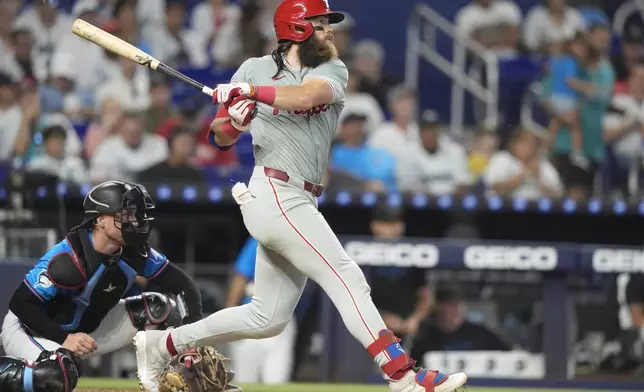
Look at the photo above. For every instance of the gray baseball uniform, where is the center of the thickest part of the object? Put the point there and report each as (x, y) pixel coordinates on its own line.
(295, 241)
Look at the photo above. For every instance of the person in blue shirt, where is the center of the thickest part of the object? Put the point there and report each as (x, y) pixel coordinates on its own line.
(267, 361)
(563, 100)
(375, 167)
(82, 298)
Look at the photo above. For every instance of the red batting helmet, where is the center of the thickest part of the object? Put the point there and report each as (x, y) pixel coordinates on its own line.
(291, 16)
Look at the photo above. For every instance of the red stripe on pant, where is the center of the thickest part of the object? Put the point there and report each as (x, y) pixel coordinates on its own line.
(355, 304)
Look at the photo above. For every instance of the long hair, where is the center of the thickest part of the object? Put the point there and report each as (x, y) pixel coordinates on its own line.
(278, 56)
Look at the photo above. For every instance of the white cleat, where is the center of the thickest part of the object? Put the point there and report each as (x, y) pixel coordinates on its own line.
(412, 382)
(150, 361)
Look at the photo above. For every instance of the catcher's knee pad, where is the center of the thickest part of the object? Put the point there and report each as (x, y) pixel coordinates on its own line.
(154, 309)
(53, 371)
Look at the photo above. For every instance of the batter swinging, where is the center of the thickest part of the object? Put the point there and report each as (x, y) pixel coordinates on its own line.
(297, 95)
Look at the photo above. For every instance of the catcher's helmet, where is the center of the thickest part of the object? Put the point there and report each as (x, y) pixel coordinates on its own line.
(129, 203)
(291, 16)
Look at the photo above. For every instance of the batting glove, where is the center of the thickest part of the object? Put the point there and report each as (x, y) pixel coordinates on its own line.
(225, 93)
(242, 110)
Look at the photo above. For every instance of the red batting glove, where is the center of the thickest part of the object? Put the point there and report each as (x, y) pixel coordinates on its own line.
(242, 110)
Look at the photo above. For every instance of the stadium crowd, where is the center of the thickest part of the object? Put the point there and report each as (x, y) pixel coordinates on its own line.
(68, 108)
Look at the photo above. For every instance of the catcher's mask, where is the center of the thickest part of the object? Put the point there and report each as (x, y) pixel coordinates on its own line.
(129, 204)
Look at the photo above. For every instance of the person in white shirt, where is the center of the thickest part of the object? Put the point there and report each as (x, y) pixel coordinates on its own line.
(127, 153)
(92, 73)
(522, 172)
(11, 116)
(218, 21)
(363, 104)
(552, 22)
(129, 83)
(493, 23)
(400, 135)
(438, 166)
(55, 162)
(624, 126)
(17, 57)
(174, 44)
(48, 26)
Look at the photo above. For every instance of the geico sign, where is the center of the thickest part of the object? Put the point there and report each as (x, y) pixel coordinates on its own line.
(618, 260)
(511, 258)
(393, 254)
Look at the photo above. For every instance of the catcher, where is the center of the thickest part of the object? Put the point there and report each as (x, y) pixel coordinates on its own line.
(81, 298)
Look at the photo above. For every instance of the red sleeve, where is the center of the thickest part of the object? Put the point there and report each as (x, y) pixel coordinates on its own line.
(222, 112)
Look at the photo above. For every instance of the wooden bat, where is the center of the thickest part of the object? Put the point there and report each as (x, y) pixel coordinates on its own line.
(116, 45)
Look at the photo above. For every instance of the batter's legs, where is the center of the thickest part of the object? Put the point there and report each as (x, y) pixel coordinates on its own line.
(278, 287)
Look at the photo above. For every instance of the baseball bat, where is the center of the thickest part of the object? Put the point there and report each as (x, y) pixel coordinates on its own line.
(116, 45)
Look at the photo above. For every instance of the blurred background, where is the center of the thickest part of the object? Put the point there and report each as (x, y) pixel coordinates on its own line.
(485, 174)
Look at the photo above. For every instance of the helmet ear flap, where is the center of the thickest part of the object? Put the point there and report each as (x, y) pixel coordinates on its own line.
(300, 30)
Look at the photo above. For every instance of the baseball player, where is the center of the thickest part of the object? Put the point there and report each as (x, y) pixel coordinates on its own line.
(78, 301)
(298, 93)
(270, 360)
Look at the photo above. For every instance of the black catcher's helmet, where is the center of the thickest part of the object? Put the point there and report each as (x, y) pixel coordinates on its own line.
(130, 205)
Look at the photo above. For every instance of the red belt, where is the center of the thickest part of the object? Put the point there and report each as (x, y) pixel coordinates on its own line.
(315, 189)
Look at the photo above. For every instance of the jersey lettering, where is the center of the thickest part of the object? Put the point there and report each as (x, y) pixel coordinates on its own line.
(314, 111)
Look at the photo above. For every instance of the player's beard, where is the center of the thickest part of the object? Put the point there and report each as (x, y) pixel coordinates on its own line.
(314, 51)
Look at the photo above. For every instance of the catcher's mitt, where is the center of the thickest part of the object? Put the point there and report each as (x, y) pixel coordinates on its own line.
(200, 370)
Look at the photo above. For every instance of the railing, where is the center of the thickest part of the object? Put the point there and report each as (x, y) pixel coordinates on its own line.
(29, 243)
(421, 43)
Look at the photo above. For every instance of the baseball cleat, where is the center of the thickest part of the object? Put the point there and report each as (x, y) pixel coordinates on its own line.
(424, 380)
(150, 361)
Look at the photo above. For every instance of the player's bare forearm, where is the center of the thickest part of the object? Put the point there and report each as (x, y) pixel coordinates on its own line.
(309, 94)
(236, 291)
(221, 137)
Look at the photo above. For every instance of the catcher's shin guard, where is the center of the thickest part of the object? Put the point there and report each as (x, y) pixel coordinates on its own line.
(200, 370)
(53, 371)
(155, 309)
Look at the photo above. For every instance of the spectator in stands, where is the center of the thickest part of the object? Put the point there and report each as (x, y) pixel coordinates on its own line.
(521, 171)
(412, 303)
(217, 21)
(178, 167)
(132, 150)
(494, 24)
(368, 60)
(103, 126)
(55, 162)
(15, 118)
(595, 89)
(342, 37)
(400, 135)
(161, 108)
(562, 101)
(91, 74)
(61, 95)
(600, 38)
(126, 25)
(150, 12)
(375, 167)
(624, 128)
(47, 26)
(449, 329)
(20, 61)
(631, 54)
(129, 84)
(439, 166)
(253, 36)
(551, 22)
(485, 145)
(175, 44)
(357, 102)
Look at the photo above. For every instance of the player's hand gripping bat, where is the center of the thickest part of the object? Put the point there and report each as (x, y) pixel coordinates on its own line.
(116, 45)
